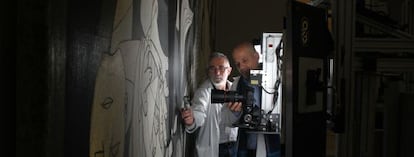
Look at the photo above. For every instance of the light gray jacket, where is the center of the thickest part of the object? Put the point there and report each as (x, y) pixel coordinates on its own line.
(207, 118)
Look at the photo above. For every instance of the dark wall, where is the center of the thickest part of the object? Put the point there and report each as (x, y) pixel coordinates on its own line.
(59, 46)
(31, 76)
(238, 21)
(243, 20)
(89, 33)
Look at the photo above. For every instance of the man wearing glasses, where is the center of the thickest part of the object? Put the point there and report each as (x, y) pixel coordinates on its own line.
(209, 118)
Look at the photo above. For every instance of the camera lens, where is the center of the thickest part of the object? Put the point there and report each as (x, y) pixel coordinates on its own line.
(221, 96)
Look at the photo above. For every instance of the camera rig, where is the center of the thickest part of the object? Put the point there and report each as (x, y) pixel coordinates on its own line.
(266, 117)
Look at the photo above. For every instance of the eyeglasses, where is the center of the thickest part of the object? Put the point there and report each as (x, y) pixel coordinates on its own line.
(219, 68)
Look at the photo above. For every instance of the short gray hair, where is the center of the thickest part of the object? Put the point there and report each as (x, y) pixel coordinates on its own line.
(217, 55)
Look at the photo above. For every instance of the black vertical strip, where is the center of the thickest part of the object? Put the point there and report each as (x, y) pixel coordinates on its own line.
(171, 16)
(137, 30)
(31, 75)
(57, 18)
(162, 22)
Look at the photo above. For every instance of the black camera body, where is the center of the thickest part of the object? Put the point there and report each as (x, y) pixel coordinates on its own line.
(221, 96)
(253, 118)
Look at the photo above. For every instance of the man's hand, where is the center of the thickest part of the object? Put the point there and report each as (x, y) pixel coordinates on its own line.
(187, 116)
(235, 106)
